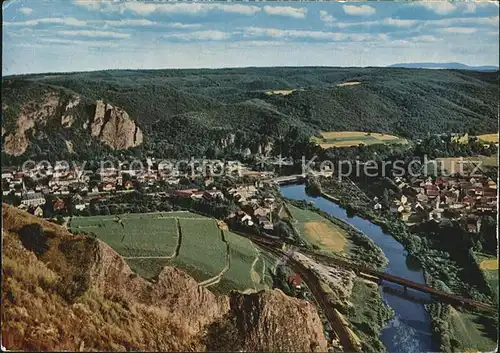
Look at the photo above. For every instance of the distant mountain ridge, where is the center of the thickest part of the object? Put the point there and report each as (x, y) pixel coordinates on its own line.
(453, 66)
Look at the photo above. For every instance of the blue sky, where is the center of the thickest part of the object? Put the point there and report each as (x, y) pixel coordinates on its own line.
(77, 35)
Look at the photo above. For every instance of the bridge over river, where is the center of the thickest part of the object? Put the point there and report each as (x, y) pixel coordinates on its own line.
(378, 276)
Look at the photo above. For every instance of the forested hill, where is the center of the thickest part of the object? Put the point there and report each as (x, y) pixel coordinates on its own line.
(192, 112)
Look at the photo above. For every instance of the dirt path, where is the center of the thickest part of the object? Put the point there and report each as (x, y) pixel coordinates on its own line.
(254, 275)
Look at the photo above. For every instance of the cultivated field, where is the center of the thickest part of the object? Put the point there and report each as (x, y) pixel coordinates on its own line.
(283, 92)
(203, 253)
(465, 165)
(491, 138)
(352, 83)
(354, 138)
(452, 165)
(319, 231)
(489, 266)
(487, 163)
(199, 245)
(247, 267)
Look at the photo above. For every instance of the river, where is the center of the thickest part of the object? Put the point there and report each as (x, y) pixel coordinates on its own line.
(410, 329)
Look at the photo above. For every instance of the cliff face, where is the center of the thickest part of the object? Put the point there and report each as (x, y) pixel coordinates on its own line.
(16, 142)
(66, 292)
(111, 125)
(114, 127)
(275, 322)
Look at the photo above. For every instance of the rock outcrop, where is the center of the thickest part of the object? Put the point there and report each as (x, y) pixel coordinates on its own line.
(114, 127)
(189, 305)
(111, 125)
(16, 142)
(273, 321)
(67, 292)
(67, 119)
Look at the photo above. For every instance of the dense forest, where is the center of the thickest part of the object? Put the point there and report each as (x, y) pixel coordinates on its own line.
(224, 111)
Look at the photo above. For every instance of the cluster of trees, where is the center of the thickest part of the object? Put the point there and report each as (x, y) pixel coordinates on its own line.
(444, 146)
(183, 114)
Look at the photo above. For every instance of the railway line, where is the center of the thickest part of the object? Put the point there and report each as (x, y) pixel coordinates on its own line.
(313, 284)
(380, 277)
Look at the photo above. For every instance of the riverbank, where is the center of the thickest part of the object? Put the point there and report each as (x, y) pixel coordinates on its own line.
(361, 248)
(411, 322)
(369, 315)
(444, 265)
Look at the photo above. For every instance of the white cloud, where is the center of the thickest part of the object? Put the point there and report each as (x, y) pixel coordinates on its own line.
(446, 7)
(438, 7)
(386, 21)
(147, 8)
(239, 9)
(464, 20)
(93, 5)
(363, 10)
(424, 38)
(446, 22)
(60, 41)
(73, 22)
(326, 18)
(94, 34)
(201, 35)
(318, 35)
(26, 10)
(257, 43)
(469, 7)
(124, 23)
(183, 25)
(295, 12)
(460, 30)
(399, 23)
(67, 21)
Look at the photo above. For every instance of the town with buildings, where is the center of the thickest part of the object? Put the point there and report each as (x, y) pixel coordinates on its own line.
(445, 198)
(70, 191)
(65, 190)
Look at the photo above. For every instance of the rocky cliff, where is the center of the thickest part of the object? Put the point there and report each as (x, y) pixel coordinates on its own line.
(66, 292)
(113, 126)
(51, 112)
(16, 141)
(256, 320)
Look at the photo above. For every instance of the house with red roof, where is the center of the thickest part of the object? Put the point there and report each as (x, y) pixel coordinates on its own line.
(295, 280)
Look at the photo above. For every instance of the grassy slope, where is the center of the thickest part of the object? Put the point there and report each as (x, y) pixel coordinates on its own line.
(202, 253)
(139, 236)
(36, 314)
(243, 253)
(469, 331)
